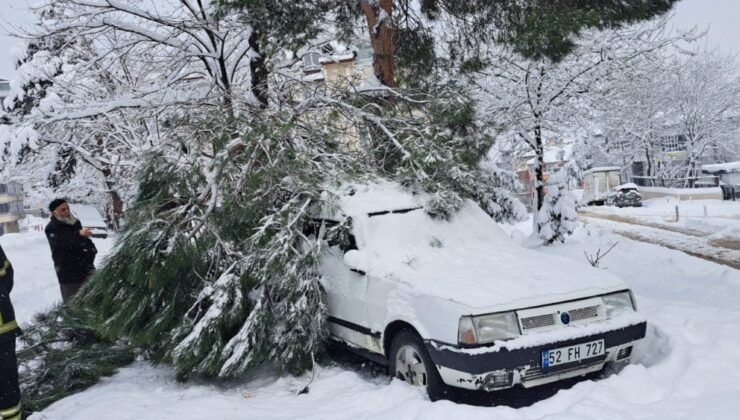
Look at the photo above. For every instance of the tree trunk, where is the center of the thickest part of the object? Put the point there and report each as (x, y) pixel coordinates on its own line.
(539, 168)
(115, 212)
(258, 68)
(381, 38)
(691, 172)
(649, 162)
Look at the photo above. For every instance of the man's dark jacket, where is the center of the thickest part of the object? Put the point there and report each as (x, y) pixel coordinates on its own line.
(8, 327)
(73, 254)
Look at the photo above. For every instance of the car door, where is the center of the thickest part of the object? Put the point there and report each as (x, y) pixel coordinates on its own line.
(345, 290)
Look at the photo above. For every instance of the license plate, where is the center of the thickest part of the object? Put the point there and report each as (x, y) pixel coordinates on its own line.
(571, 354)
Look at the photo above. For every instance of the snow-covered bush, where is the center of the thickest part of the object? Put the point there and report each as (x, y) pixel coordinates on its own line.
(557, 218)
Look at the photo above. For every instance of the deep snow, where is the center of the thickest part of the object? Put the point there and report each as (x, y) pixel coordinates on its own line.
(685, 368)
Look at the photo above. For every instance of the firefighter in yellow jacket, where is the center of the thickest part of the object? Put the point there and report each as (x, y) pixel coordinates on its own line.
(10, 395)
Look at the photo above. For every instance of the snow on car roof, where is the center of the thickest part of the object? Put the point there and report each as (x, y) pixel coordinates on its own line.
(626, 186)
(469, 259)
(89, 215)
(376, 196)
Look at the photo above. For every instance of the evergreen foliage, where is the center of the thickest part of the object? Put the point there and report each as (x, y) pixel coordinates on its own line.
(536, 29)
(441, 149)
(62, 355)
(215, 273)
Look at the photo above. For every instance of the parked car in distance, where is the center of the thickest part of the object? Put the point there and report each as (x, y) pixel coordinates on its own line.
(455, 303)
(90, 218)
(625, 195)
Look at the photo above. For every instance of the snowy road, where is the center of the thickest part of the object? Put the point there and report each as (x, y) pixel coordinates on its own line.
(686, 368)
(692, 244)
(708, 229)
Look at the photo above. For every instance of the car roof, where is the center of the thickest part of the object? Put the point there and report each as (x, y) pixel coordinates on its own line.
(89, 215)
(627, 186)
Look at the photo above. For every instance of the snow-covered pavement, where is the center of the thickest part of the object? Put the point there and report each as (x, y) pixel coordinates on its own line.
(685, 368)
(713, 219)
(709, 229)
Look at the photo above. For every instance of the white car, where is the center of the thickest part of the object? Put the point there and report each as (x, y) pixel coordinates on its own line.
(456, 303)
(90, 218)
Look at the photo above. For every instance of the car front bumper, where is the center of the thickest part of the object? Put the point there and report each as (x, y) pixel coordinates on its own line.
(479, 369)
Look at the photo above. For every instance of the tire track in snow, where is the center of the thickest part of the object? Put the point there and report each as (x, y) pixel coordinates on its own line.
(696, 246)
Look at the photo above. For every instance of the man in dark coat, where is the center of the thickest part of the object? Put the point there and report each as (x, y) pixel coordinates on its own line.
(71, 249)
(10, 394)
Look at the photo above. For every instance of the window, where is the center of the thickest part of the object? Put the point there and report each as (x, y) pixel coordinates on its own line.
(674, 143)
(311, 61)
(335, 233)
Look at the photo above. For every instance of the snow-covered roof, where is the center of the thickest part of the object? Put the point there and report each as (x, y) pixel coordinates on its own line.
(372, 86)
(337, 58)
(603, 169)
(89, 215)
(314, 77)
(721, 167)
(554, 154)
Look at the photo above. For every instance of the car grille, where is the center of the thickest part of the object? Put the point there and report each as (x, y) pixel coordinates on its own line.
(539, 373)
(584, 313)
(549, 317)
(539, 321)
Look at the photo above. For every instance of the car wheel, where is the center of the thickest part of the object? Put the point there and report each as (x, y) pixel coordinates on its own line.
(409, 361)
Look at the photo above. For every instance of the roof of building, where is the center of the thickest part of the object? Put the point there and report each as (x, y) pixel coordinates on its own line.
(603, 169)
(721, 167)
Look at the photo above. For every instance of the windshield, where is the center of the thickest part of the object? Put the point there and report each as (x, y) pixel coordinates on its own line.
(413, 230)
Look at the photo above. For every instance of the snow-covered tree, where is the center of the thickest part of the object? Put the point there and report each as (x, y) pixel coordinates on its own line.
(537, 99)
(704, 97)
(557, 217)
(691, 97)
(116, 74)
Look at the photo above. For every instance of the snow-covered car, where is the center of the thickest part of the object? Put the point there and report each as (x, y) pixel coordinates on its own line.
(90, 218)
(625, 195)
(456, 303)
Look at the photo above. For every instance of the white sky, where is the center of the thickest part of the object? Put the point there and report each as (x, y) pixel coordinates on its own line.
(719, 15)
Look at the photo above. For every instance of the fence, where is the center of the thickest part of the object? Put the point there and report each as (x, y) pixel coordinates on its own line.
(691, 182)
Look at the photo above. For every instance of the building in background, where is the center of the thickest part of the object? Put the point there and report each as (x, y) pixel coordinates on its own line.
(11, 207)
(728, 175)
(4, 92)
(556, 157)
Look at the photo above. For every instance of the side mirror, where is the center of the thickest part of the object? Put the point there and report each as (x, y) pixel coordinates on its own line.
(356, 261)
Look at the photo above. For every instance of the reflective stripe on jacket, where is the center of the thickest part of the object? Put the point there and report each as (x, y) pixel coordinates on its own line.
(12, 413)
(8, 325)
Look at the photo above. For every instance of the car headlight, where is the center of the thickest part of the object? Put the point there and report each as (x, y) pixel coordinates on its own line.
(617, 303)
(487, 328)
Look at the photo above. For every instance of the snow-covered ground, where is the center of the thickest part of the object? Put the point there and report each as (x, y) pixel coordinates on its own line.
(705, 228)
(714, 218)
(686, 368)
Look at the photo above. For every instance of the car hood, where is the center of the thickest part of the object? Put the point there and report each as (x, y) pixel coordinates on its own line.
(470, 261)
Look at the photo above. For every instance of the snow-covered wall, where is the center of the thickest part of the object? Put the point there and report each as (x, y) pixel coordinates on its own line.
(682, 193)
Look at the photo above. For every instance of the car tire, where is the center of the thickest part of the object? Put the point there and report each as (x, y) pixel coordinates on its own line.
(409, 361)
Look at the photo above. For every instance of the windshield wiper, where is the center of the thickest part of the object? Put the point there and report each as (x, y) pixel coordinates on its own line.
(380, 213)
